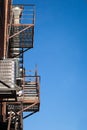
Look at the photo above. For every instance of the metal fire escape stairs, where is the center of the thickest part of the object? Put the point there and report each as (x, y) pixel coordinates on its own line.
(20, 39)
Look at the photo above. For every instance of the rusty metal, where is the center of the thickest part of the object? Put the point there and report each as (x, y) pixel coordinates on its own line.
(23, 109)
(4, 111)
(27, 108)
(5, 26)
(17, 37)
(2, 29)
(29, 26)
(9, 121)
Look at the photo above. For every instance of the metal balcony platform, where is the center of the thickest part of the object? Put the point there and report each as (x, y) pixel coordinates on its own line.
(21, 33)
(28, 99)
(18, 106)
(24, 37)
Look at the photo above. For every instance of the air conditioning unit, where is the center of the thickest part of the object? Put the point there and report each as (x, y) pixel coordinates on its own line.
(7, 73)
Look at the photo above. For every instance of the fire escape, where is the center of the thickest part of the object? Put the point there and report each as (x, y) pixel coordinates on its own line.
(19, 88)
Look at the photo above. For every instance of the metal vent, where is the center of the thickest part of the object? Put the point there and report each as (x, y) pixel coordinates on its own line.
(7, 73)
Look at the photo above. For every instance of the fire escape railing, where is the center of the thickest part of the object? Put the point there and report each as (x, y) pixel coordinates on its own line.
(19, 92)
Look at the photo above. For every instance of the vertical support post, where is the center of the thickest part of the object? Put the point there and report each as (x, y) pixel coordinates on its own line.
(16, 125)
(9, 122)
(5, 26)
(21, 120)
(4, 111)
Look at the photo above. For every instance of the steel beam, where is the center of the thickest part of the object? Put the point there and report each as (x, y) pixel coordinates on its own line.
(5, 26)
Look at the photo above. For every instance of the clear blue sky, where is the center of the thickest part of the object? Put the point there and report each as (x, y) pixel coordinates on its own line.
(60, 50)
